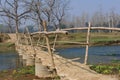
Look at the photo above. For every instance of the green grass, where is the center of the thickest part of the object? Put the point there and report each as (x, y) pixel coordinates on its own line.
(115, 61)
(94, 37)
(24, 73)
(106, 68)
(24, 70)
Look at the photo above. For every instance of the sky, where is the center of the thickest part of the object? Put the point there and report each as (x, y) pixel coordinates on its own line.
(78, 7)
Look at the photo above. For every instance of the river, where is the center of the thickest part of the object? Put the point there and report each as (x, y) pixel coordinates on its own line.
(8, 60)
(97, 54)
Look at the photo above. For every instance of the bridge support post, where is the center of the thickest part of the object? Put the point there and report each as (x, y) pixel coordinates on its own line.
(49, 48)
(30, 61)
(40, 70)
(24, 57)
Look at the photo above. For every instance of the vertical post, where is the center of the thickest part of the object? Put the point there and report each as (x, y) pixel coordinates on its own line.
(34, 55)
(48, 45)
(54, 42)
(87, 46)
(109, 23)
(29, 36)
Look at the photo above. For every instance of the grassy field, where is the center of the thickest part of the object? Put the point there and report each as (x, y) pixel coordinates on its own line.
(95, 38)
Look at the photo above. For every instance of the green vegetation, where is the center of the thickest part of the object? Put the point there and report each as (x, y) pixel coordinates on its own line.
(24, 73)
(95, 38)
(106, 68)
(116, 61)
(7, 47)
(20, 71)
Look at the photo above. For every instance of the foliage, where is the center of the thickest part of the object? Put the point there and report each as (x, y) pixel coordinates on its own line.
(25, 70)
(115, 61)
(106, 69)
(95, 38)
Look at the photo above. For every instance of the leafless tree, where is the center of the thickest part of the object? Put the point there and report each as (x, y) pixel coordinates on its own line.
(8, 21)
(51, 11)
(13, 10)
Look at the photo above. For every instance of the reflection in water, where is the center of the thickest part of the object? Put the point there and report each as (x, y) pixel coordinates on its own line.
(9, 60)
(98, 54)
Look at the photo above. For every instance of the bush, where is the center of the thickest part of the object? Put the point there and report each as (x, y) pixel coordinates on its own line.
(24, 71)
(106, 69)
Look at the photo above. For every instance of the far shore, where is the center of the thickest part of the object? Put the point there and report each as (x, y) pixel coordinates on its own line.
(7, 47)
(108, 43)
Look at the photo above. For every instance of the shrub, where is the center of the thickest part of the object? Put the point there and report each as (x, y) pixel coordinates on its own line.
(106, 69)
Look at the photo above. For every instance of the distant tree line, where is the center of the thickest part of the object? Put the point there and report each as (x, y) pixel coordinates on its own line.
(98, 19)
(15, 15)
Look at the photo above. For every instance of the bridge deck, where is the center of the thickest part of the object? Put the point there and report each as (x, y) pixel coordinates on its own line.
(67, 69)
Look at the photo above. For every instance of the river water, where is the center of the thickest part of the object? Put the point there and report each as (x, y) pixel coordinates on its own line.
(8, 60)
(97, 54)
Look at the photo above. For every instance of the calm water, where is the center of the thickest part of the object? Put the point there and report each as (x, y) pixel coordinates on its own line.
(8, 60)
(99, 54)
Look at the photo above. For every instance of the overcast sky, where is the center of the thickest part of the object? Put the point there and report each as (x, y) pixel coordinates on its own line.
(91, 6)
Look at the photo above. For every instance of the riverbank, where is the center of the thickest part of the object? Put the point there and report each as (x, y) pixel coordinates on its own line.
(28, 73)
(96, 39)
(100, 43)
(25, 73)
(7, 47)
(5, 44)
(68, 68)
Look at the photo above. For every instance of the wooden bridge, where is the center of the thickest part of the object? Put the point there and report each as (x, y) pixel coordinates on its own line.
(67, 69)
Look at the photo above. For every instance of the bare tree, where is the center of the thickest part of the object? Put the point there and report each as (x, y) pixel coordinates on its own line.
(60, 11)
(52, 11)
(13, 9)
(9, 22)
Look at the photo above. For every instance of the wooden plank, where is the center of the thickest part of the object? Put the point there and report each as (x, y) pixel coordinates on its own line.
(87, 46)
(48, 46)
(51, 32)
(72, 42)
(92, 28)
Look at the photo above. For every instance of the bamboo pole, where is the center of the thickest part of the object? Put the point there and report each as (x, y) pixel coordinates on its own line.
(51, 32)
(48, 45)
(54, 42)
(92, 28)
(34, 55)
(87, 46)
(71, 42)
